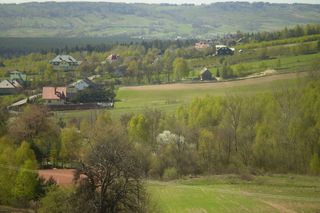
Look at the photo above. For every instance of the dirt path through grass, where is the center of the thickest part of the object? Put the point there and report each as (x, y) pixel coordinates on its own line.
(226, 84)
(279, 207)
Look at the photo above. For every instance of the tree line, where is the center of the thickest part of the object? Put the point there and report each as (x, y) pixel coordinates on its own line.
(297, 31)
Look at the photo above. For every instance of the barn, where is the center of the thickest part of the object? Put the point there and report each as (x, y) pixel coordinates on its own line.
(206, 75)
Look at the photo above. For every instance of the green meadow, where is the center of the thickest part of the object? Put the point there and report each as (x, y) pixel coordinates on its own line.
(233, 193)
(169, 99)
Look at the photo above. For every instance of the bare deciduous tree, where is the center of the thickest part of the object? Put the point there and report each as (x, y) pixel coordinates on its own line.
(109, 179)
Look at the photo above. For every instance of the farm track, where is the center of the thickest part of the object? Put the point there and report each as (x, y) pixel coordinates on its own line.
(212, 85)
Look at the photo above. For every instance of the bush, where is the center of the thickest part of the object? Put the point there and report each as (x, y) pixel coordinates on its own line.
(170, 174)
(56, 201)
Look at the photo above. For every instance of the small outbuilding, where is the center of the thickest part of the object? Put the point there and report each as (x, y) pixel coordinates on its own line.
(206, 75)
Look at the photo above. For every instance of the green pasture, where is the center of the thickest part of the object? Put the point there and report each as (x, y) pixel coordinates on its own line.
(169, 100)
(281, 64)
(301, 39)
(232, 193)
(252, 64)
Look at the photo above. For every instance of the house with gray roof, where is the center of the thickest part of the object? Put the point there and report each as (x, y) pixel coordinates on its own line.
(82, 84)
(65, 63)
(206, 75)
(8, 87)
(18, 76)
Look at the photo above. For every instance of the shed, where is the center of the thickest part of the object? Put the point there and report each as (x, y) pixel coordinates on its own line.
(206, 75)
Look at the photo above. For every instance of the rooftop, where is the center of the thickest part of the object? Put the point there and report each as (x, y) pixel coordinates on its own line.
(51, 93)
(67, 58)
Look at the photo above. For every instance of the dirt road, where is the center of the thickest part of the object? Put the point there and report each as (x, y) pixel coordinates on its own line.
(225, 84)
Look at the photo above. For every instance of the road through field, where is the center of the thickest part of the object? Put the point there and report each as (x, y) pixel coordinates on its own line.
(212, 85)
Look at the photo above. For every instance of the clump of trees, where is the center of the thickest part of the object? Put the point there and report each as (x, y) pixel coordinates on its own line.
(19, 181)
(273, 132)
(108, 166)
(108, 178)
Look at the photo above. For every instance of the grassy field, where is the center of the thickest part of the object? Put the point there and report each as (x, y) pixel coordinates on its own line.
(252, 64)
(168, 97)
(277, 193)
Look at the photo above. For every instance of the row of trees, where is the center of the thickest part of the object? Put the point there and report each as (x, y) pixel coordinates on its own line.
(297, 31)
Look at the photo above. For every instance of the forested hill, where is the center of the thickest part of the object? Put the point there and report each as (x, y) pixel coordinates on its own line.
(82, 19)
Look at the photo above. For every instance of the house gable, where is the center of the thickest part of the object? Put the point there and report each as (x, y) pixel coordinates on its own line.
(64, 62)
(6, 84)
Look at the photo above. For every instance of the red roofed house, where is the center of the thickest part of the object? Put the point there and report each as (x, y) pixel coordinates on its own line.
(54, 95)
(113, 58)
(202, 45)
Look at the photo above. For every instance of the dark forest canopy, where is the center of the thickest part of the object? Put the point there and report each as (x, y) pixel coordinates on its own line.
(21, 46)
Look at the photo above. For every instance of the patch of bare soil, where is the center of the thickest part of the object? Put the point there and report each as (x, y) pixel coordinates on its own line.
(61, 176)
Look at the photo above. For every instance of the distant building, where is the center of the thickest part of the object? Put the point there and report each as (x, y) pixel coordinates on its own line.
(65, 63)
(224, 50)
(54, 95)
(8, 87)
(113, 58)
(18, 76)
(206, 75)
(202, 45)
(82, 84)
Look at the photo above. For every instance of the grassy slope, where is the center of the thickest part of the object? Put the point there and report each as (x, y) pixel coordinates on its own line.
(231, 194)
(169, 100)
(154, 21)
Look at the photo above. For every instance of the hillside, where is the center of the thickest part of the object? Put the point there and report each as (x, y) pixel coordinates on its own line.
(150, 21)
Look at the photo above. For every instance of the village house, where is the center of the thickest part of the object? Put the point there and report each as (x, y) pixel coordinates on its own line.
(202, 45)
(54, 95)
(206, 75)
(18, 76)
(8, 87)
(65, 63)
(113, 58)
(224, 50)
(82, 84)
